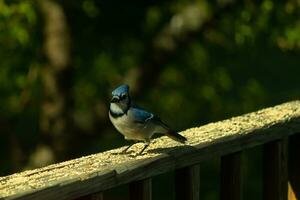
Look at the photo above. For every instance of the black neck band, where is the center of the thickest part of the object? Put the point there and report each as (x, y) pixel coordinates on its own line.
(116, 115)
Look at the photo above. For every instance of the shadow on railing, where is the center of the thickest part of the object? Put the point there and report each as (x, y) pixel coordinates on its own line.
(88, 177)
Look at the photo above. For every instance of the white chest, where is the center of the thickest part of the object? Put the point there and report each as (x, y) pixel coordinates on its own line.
(131, 130)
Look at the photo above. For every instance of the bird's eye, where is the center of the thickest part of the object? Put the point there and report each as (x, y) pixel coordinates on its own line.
(124, 96)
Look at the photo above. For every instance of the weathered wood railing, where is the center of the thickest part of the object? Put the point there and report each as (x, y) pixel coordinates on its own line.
(88, 177)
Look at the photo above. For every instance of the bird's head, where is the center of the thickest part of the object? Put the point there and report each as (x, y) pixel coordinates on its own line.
(120, 95)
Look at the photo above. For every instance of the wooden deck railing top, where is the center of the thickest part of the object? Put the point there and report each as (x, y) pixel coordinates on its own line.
(109, 169)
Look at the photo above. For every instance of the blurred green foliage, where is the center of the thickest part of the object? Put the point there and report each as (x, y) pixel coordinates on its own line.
(191, 62)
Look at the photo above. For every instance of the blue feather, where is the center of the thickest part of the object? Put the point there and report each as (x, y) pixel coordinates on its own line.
(134, 122)
(140, 115)
(123, 89)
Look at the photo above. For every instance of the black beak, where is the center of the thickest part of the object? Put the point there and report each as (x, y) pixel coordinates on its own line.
(115, 99)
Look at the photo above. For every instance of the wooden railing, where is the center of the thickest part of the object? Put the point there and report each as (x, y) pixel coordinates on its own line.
(88, 177)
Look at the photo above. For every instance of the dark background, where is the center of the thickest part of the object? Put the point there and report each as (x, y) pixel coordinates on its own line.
(191, 62)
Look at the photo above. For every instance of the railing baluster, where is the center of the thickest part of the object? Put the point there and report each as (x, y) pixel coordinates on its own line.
(187, 183)
(231, 188)
(141, 190)
(97, 196)
(103, 171)
(293, 167)
(275, 170)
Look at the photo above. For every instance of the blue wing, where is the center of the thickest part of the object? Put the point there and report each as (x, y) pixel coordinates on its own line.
(140, 115)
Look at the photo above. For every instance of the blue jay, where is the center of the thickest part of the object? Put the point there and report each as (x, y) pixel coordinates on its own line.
(135, 123)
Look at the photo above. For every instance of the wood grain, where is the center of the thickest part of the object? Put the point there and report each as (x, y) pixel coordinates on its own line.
(275, 170)
(97, 196)
(187, 183)
(293, 167)
(99, 172)
(231, 177)
(141, 190)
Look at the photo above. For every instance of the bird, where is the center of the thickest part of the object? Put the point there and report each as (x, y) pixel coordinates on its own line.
(135, 123)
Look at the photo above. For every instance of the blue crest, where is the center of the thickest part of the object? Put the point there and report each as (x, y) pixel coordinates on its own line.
(120, 90)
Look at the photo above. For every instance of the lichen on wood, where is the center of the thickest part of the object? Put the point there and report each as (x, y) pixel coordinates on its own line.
(101, 171)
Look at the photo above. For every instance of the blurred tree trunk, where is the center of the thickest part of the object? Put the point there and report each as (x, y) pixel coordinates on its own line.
(182, 29)
(55, 117)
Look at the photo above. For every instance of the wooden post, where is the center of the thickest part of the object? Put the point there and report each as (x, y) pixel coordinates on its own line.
(231, 188)
(275, 170)
(97, 196)
(294, 167)
(187, 183)
(141, 190)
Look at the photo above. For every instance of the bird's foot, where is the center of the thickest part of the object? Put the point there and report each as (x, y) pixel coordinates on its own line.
(124, 151)
(141, 152)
